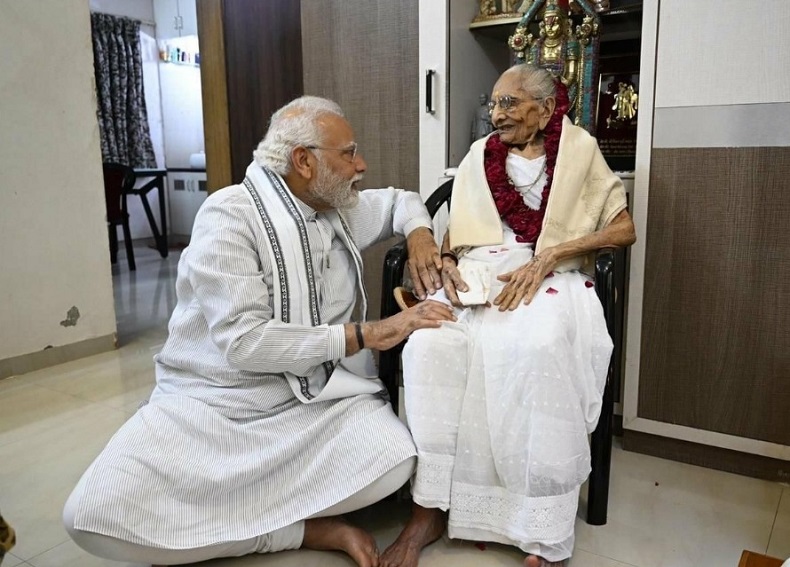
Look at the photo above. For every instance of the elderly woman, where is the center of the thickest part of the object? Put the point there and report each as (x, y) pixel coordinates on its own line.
(500, 403)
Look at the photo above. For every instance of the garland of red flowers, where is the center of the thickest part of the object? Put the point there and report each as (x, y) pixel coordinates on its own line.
(525, 222)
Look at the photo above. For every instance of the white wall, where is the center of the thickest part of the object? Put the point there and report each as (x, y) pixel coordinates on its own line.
(722, 76)
(716, 52)
(54, 252)
(182, 106)
(142, 10)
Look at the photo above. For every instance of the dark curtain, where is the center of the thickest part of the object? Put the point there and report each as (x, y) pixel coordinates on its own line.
(118, 66)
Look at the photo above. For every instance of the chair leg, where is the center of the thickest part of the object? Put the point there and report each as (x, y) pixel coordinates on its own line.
(127, 240)
(112, 230)
(601, 456)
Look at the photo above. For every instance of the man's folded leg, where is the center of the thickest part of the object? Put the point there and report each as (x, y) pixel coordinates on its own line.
(288, 537)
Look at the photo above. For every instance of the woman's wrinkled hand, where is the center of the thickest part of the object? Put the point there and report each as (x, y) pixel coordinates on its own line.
(524, 282)
(452, 281)
(424, 262)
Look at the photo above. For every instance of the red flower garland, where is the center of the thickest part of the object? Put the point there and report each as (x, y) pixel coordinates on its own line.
(525, 222)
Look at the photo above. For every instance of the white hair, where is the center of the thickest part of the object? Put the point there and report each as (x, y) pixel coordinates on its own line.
(534, 80)
(295, 124)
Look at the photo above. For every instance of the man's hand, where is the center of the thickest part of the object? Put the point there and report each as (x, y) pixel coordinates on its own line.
(424, 262)
(524, 282)
(385, 334)
(452, 281)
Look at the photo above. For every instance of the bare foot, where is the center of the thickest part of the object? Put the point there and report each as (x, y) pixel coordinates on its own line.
(425, 526)
(335, 534)
(536, 561)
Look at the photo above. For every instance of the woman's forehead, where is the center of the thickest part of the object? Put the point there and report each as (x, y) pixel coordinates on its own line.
(507, 84)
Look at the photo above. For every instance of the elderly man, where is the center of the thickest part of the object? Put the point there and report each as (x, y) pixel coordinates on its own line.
(266, 421)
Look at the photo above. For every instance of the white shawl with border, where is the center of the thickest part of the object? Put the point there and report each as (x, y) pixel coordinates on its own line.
(294, 294)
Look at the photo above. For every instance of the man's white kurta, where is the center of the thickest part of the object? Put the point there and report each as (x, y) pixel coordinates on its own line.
(224, 450)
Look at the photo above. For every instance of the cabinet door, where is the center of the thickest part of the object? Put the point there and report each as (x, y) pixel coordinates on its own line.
(181, 216)
(433, 93)
(197, 195)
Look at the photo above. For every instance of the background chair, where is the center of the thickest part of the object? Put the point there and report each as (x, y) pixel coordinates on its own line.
(118, 181)
(601, 441)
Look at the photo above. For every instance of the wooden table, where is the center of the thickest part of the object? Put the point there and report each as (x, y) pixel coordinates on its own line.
(752, 559)
(157, 181)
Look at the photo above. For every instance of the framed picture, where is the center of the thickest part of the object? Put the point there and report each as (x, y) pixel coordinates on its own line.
(618, 112)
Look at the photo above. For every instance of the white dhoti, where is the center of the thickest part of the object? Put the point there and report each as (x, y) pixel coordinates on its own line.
(500, 405)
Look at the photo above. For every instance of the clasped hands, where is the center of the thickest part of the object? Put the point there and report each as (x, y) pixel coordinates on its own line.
(430, 272)
(521, 284)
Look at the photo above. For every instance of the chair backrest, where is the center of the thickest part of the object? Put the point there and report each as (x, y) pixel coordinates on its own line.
(118, 180)
(439, 197)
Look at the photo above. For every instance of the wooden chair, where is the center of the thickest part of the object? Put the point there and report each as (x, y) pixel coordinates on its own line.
(118, 181)
(601, 441)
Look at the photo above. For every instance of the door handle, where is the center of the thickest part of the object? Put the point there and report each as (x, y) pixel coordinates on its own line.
(429, 75)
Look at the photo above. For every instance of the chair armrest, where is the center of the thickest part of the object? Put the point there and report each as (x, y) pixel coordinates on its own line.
(392, 277)
(604, 285)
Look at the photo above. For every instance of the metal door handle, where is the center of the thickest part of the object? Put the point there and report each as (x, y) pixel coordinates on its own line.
(429, 74)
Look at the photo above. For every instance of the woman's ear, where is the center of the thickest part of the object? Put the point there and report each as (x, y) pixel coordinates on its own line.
(301, 162)
(546, 111)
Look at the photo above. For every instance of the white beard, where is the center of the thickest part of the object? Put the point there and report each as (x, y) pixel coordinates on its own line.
(333, 189)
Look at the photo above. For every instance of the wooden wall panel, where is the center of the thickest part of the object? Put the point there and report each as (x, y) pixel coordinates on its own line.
(215, 94)
(263, 58)
(364, 55)
(715, 332)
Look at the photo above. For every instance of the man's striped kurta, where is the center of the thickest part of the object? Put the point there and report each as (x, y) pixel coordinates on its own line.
(224, 451)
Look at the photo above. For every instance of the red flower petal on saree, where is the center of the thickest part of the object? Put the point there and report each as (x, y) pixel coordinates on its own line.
(552, 291)
(550, 275)
(588, 283)
(481, 545)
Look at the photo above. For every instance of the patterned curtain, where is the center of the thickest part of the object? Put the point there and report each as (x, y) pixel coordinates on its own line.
(118, 66)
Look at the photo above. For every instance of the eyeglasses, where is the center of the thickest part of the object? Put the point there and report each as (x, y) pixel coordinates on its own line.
(505, 102)
(348, 153)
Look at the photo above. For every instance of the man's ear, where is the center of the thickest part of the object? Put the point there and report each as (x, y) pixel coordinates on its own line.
(546, 111)
(301, 162)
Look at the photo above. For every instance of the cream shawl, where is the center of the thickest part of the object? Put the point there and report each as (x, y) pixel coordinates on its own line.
(585, 197)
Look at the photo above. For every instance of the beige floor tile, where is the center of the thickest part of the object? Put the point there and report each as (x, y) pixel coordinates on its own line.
(11, 560)
(668, 514)
(70, 555)
(38, 473)
(584, 559)
(28, 410)
(116, 379)
(779, 545)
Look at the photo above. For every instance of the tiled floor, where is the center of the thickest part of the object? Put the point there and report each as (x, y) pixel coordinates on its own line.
(53, 423)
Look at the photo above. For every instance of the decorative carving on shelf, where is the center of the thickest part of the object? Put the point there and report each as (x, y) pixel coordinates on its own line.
(569, 54)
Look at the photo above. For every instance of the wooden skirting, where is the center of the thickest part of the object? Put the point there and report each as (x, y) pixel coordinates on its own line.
(706, 456)
(56, 355)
